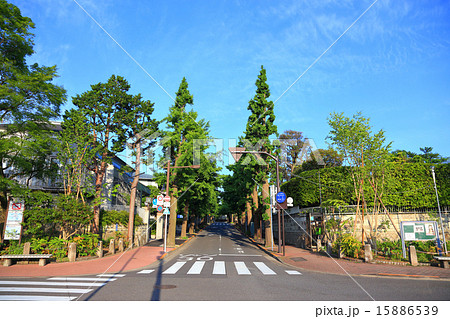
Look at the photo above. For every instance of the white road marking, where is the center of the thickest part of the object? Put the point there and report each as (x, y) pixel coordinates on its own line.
(196, 268)
(264, 269)
(219, 268)
(111, 275)
(174, 268)
(46, 290)
(293, 272)
(81, 279)
(146, 271)
(34, 298)
(46, 283)
(241, 268)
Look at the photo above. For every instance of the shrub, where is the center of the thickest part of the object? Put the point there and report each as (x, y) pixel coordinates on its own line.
(350, 246)
(58, 247)
(87, 244)
(14, 248)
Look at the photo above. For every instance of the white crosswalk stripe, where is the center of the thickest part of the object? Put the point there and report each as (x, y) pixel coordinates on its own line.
(218, 268)
(52, 289)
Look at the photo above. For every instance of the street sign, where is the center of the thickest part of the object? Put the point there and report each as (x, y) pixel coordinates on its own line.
(154, 203)
(290, 202)
(166, 204)
(159, 209)
(167, 198)
(166, 211)
(235, 152)
(160, 200)
(280, 197)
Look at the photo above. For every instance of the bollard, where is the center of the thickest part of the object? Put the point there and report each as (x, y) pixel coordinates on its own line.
(27, 248)
(368, 257)
(329, 249)
(100, 249)
(120, 244)
(413, 256)
(72, 252)
(112, 246)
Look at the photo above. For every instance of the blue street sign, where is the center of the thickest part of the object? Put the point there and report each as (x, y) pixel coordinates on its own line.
(280, 197)
(155, 202)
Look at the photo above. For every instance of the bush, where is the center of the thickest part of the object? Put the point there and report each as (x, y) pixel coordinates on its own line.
(14, 248)
(58, 247)
(112, 217)
(350, 246)
(87, 244)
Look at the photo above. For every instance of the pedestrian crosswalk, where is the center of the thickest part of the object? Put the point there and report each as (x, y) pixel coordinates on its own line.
(52, 289)
(201, 267)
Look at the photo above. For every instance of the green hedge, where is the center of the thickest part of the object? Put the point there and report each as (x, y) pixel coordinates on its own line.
(405, 185)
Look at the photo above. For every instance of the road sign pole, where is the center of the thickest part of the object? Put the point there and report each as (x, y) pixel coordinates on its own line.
(165, 234)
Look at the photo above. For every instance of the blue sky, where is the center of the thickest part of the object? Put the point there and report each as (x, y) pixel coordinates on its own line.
(393, 65)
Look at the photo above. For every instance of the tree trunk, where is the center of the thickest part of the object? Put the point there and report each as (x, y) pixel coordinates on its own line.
(268, 213)
(256, 213)
(249, 216)
(172, 219)
(185, 220)
(134, 186)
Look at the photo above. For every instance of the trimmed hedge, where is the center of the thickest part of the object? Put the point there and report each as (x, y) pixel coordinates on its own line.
(407, 185)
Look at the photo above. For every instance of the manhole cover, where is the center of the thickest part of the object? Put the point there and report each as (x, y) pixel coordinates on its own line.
(164, 286)
(298, 259)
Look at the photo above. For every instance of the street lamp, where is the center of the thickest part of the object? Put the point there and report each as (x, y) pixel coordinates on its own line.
(173, 215)
(237, 152)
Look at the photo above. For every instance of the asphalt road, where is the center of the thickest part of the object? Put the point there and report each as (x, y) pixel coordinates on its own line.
(222, 265)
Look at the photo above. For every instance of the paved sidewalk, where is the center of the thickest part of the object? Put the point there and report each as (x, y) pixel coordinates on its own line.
(135, 258)
(305, 259)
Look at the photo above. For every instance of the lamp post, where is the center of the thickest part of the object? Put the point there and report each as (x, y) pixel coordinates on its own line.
(173, 214)
(439, 209)
(241, 150)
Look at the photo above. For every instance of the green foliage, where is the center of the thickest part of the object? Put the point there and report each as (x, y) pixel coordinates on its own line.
(58, 247)
(87, 244)
(405, 185)
(112, 217)
(349, 245)
(14, 248)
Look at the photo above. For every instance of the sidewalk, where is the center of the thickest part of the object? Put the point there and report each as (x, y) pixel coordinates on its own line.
(135, 258)
(312, 261)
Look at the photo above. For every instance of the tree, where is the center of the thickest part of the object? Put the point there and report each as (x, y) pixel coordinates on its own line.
(104, 109)
(140, 127)
(365, 152)
(28, 100)
(260, 127)
(291, 144)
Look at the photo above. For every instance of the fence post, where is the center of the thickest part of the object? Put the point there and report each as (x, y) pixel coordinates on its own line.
(100, 249)
(368, 257)
(72, 252)
(120, 245)
(413, 256)
(112, 246)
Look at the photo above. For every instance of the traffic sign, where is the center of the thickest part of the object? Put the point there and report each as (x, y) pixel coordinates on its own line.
(166, 204)
(160, 200)
(166, 211)
(159, 209)
(154, 203)
(290, 201)
(280, 197)
(167, 198)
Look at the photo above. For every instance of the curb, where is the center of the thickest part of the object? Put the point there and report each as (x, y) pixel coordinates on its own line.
(176, 247)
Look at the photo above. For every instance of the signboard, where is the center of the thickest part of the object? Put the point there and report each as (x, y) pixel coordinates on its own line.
(13, 227)
(290, 202)
(159, 209)
(418, 231)
(167, 198)
(166, 204)
(280, 197)
(154, 203)
(166, 211)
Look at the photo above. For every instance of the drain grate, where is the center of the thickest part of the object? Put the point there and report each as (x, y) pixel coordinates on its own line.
(298, 259)
(164, 286)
